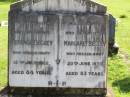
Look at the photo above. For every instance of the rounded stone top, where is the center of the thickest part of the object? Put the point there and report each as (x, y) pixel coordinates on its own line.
(60, 5)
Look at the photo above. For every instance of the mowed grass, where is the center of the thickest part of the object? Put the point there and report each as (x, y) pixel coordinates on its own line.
(120, 9)
(4, 7)
(118, 66)
(3, 56)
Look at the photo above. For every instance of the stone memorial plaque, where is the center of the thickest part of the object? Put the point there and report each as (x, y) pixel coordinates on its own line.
(58, 45)
(83, 51)
(33, 49)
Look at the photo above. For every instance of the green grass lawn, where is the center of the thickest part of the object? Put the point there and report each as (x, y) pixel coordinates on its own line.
(120, 8)
(118, 66)
(4, 7)
(3, 56)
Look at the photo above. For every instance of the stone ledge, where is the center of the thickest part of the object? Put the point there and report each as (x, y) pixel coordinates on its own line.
(24, 92)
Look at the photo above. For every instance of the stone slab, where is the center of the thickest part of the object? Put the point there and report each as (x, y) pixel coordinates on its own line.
(57, 50)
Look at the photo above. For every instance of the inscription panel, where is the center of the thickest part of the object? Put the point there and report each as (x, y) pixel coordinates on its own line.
(62, 50)
(33, 50)
(83, 51)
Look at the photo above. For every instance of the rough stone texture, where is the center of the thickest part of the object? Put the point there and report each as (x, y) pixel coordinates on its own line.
(41, 93)
(60, 5)
(31, 41)
(61, 44)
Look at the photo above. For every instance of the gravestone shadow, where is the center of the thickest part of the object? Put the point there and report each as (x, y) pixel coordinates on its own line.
(4, 92)
(123, 84)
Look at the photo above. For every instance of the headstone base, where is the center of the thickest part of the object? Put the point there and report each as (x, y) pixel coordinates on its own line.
(55, 92)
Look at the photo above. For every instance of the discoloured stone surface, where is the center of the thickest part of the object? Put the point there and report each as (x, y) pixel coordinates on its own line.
(59, 44)
(52, 92)
(60, 5)
(39, 40)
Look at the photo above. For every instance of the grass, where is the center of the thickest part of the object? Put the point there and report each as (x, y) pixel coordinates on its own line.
(119, 76)
(4, 7)
(119, 9)
(118, 67)
(3, 57)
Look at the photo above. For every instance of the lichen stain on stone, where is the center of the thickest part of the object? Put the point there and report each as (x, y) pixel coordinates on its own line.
(59, 5)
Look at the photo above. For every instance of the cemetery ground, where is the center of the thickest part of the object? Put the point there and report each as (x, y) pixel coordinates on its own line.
(118, 65)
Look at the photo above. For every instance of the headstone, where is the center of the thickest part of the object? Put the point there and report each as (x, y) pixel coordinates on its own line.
(112, 24)
(113, 47)
(58, 44)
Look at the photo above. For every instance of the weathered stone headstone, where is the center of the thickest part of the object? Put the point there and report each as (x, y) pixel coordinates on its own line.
(112, 24)
(113, 47)
(58, 44)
